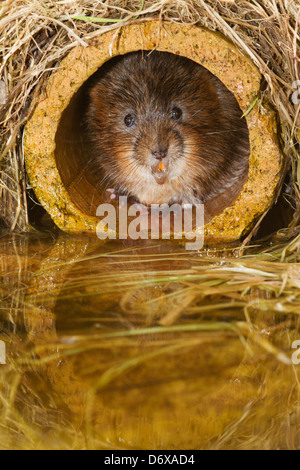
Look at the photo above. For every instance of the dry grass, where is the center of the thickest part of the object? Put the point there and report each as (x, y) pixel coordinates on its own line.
(35, 35)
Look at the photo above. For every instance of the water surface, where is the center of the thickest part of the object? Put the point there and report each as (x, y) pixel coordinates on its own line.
(143, 346)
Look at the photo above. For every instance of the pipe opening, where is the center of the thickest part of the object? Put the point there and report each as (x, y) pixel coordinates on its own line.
(146, 128)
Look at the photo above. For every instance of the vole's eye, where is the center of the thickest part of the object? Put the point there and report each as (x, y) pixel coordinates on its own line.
(129, 120)
(176, 113)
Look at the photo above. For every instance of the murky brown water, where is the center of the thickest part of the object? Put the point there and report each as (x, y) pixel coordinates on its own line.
(118, 347)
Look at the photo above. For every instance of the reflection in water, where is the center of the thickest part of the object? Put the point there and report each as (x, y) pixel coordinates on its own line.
(146, 347)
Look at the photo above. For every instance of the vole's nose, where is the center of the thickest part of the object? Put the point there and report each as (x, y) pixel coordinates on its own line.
(160, 154)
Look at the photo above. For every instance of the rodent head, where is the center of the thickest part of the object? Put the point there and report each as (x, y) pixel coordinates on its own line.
(159, 130)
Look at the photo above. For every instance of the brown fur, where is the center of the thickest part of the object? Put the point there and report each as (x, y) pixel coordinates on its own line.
(206, 150)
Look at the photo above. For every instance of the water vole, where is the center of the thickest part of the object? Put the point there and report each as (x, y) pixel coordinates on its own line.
(163, 129)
